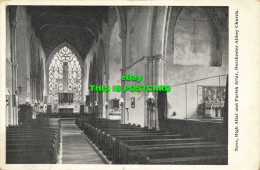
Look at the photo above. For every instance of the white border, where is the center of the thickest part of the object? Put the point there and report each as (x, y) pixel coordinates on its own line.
(249, 95)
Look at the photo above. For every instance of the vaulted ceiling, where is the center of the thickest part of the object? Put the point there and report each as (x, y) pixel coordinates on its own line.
(78, 26)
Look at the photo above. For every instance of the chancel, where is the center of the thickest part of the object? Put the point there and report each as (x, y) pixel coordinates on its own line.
(64, 80)
(116, 85)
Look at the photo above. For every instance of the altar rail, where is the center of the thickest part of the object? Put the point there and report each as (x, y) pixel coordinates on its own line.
(59, 115)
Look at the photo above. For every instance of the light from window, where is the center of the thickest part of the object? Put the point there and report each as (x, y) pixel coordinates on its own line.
(73, 75)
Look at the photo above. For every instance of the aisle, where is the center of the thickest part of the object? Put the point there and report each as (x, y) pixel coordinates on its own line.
(75, 148)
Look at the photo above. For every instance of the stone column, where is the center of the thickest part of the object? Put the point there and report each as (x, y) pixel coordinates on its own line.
(31, 88)
(160, 78)
(35, 91)
(32, 99)
(14, 110)
(156, 76)
(123, 71)
(155, 66)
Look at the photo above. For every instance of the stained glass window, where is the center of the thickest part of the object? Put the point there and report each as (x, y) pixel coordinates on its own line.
(71, 82)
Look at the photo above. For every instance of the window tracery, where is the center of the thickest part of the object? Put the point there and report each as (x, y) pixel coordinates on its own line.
(60, 84)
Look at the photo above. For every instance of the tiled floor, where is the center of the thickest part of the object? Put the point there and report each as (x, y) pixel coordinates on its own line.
(75, 147)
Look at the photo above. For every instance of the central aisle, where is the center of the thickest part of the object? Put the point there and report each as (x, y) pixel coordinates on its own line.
(75, 147)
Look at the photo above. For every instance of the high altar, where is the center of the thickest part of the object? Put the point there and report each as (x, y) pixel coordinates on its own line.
(211, 101)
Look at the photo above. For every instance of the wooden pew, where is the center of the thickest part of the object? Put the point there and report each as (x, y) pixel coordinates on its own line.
(196, 160)
(95, 131)
(116, 136)
(31, 156)
(113, 142)
(146, 155)
(33, 143)
(133, 144)
(102, 134)
(30, 140)
(124, 144)
(109, 136)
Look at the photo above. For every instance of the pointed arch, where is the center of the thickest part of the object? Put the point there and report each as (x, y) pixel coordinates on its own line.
(55, 62)
(51, 56)
(174, 15)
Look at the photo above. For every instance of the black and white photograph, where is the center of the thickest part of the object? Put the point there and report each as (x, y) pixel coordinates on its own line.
(117, 85)
(98, 84)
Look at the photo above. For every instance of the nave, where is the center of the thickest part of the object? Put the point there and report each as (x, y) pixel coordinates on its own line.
(80, 141)
(75, 147)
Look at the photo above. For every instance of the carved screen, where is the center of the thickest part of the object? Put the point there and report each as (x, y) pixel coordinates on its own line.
(58, 83)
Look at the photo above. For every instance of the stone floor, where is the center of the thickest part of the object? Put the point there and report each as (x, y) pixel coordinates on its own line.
(75, 148)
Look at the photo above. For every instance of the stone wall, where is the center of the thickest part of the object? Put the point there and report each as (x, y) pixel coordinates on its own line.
(178, 73)
(147, 36)
(29, 57)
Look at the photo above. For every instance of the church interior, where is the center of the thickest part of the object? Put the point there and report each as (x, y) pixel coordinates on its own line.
(54, 54)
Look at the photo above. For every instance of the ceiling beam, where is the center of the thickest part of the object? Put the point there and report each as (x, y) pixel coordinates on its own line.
(67, 15)
(74, 20)
(69, 26)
